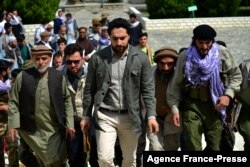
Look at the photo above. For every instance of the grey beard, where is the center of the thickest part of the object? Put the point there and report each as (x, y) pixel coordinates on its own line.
(42, 70)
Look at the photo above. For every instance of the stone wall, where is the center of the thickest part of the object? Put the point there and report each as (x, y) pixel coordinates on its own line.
(184, 23)
(189, 23)
(91, 6)
(30, 29)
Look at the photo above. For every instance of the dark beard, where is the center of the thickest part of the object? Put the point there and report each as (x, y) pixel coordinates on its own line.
(118, 53)
(164, 75)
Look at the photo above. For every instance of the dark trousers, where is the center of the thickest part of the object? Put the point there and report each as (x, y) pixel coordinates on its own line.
(13, 152)
(77, 157)
(93, 151)
(26, 155)
(244, 126)
(140, 148)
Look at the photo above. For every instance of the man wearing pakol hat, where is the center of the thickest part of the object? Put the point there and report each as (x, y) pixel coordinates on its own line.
(45, 39)
(13, 53)
(95, 32)
(104, 19)
(52, 37)
(168, 137)
(205, 80)
(41, 111)
(39, 29)
(104, 40)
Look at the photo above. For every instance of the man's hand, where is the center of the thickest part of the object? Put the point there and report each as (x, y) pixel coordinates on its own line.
(85, 124)
(4, 108)
(222, 102)
(176, 119)
(12, 134)
(86, 58)
(70, 132)
(153, 126)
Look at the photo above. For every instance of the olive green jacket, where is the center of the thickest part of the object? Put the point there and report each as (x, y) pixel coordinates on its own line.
(229, 72)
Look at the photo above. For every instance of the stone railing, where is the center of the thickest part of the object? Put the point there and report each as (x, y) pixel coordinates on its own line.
(30, 29)
(189, 23)
(90, 5)
(136, 1)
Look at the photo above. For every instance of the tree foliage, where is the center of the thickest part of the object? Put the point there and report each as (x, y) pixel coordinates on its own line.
(168, 8)
(245, 3)
(214, 8)
(32, 11)
(179, 8)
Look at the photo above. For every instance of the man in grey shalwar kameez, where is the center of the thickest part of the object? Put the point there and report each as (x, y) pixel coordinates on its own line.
(40, 109)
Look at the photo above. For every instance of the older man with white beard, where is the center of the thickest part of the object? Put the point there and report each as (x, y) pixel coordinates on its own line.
(40, 109)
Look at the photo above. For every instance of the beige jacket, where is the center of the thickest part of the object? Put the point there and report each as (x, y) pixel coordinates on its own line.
(77, 98)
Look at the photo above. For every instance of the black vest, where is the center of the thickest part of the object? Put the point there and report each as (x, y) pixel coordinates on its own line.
(30, 78)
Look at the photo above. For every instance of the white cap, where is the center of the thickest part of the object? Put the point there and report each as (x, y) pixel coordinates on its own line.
(11, 39)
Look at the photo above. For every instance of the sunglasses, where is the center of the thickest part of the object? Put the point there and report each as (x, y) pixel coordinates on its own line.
(69, 62)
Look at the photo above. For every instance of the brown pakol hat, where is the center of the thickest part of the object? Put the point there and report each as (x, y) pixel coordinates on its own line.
(165, 51)
(44, 34)
(48, 26)
(41, 50)
(96, 21)
(104, 15)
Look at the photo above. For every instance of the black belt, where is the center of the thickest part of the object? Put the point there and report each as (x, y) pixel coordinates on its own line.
(114, 111)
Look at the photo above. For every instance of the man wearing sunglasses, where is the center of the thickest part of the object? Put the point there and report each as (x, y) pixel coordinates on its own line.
(75, 77)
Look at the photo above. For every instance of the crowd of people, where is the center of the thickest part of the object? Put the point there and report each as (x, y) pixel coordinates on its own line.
(84, 96)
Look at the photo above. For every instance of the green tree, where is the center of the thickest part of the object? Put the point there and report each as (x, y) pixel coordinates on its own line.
(214, 8)
(114, 1)
(245, 3)
(32, 11)
(168, 8)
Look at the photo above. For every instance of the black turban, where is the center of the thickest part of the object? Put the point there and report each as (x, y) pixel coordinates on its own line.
(204, 32)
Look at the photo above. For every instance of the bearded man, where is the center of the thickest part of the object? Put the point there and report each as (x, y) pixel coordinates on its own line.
(40, 109)
(117, 77)
(205, 81)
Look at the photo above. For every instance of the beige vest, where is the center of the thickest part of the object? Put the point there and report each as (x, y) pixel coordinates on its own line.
(77, 98)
